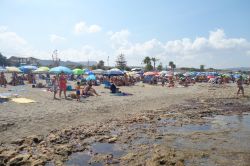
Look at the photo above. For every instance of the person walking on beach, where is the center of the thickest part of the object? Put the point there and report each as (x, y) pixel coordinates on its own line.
(3, 80)
(240, 86)
(55, 86)
(62, 85)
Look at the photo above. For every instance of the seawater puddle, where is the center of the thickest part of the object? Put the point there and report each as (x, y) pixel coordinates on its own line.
(234, 136)
(84, 158)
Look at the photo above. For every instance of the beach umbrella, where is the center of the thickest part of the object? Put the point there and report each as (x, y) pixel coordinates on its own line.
(89, 72)
(98, 71)
(60, 69)
(91, 77)
(13, 69)
(210, 76)
(2, 69)
(150, 73)
(78, 71)
(114, 72)
(41, 70)
(27, 69)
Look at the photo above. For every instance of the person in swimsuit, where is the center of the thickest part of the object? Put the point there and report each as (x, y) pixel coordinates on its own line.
(62, 85)
(55, 86)
(78, 92)
(240, 86)
(89, 91)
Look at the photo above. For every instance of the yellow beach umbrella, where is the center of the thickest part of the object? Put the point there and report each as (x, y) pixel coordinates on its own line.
(41, 70)
(13, 69)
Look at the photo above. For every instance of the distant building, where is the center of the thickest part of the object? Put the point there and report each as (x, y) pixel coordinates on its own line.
(17, 61)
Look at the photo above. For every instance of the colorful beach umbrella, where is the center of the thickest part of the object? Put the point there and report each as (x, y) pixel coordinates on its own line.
(150, 73)
(43, 69)
(13, 69)
(91, 77)
(2, 69)
(114, 72)
(78, 71)
(60, 69)
(27, 68)
(98, 71)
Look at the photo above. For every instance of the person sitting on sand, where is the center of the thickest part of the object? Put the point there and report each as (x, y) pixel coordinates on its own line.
(89, 90)
(55, 86)
(62, 85)
(78, 92)
(3, 81)
(240, 86)
(114, 89)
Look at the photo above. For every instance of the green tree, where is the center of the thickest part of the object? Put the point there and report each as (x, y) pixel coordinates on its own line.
(159, 67)
(100, 64)
(79, 67)
(3, 60)
(172, 65)
(147, 62)
(121, 62)
(202, 67)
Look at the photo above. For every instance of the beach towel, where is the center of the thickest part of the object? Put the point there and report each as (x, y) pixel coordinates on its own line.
(121, 94)
(23, 100)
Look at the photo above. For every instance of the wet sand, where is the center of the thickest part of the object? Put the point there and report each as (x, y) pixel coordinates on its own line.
(198, 125)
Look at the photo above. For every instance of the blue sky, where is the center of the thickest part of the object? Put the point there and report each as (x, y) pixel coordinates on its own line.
(190, 32)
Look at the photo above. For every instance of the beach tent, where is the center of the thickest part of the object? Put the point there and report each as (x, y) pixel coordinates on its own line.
(13, 69)
(60, 69)
(98, 71)
(78, 71)
(41, 70)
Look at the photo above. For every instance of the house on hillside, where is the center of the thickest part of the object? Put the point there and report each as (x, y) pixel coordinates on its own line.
(17, 61)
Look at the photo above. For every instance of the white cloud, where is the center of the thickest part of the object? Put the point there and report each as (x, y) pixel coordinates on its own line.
(216, 50)
(56, 39)
(83, 53)
(82, 27)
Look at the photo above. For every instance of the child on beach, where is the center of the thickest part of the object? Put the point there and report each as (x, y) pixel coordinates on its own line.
(78, 92)
(240, 86)
(54, 86)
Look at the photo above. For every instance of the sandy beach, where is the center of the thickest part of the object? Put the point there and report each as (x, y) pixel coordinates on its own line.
(105, 116)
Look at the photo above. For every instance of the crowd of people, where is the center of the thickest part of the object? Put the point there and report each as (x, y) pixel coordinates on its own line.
(58, 83)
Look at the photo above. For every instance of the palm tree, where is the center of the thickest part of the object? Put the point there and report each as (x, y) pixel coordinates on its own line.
(147, 60)
(154, 61)
(172, 65)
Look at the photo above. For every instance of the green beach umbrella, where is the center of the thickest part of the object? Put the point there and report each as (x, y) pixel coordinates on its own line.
(78, 71)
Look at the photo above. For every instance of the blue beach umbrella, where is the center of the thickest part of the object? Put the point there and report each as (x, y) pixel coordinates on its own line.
(2, 69)
(91, 77)
(27, 69)
(60, 69)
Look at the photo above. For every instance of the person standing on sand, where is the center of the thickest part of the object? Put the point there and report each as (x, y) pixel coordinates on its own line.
(55, 86)
(62, 85)
(240, 86)
(3, 80)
